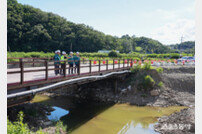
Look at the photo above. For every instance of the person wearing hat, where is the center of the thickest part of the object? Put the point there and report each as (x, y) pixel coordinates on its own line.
(71, 62)
(77, 62)
(63, 57)
(56, 60)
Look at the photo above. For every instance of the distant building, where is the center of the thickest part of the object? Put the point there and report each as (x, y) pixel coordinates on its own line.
(106, 51)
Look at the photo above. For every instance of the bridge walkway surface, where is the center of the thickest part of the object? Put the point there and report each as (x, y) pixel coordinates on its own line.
(24, 81)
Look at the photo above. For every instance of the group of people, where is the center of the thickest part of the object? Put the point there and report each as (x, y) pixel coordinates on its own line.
(61, 59)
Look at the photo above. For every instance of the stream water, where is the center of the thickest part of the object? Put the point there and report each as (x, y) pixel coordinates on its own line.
(89, 117)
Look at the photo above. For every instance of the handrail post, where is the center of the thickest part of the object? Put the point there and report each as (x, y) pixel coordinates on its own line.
(113, 64)
(78, 69)
(131, 62)
(33, 63)
(123, 63)
(119, 64)
(64, 69)
(107, 65)
(127, 63)
(99, 65)
(90, 66)
(46, 64)
(21, 72)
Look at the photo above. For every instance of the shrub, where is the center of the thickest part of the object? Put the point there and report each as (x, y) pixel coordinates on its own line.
(18, 127)
(113, 54)
(148, 82)
(135, 68)
(160, 84)
(159, 69)
(146, 66)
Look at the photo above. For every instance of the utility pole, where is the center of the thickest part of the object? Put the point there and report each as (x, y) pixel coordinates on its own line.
(181, 43)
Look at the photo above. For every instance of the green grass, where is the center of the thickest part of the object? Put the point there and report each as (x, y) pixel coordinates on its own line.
(19, 127)
(148, 82)
(159, 69)
(160, 84)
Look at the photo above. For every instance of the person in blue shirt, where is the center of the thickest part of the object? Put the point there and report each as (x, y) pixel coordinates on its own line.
(56, 60)
(71, 62)
(77, 62)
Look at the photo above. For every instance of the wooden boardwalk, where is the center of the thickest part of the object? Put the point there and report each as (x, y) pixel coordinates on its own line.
(25, 74)
(31, 76)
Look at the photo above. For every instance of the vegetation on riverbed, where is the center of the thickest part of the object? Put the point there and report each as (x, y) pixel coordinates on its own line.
(19, 127)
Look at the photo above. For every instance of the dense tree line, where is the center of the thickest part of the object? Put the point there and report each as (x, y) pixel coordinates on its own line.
(186, 47)
(30, 29)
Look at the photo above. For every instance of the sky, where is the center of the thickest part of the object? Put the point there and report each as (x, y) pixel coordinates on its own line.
(163, 20)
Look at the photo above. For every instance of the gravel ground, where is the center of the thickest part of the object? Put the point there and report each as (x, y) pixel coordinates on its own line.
(180, 90)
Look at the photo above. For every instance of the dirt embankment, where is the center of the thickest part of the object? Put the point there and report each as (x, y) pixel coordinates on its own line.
(178, 89)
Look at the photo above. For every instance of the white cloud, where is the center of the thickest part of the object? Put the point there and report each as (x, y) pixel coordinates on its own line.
(171, 33)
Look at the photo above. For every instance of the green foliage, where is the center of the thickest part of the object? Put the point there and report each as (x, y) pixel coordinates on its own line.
(136, 68)
(148, 82)
(186, 47)
(60, 125)
(160, 84)
(146, 66)
(113, 54)
(30, 29)
(159, 69)
(19, 127)
(138, 49)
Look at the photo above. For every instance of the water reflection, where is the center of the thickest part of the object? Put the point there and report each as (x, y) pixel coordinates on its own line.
(89, 117)
(134, 128)
(57, 113)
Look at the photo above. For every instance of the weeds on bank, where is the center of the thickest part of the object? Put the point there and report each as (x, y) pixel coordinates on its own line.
(159, 69)
(146, 66)
(59, 126)
(160, 84)
(18, 127)
(148, 82)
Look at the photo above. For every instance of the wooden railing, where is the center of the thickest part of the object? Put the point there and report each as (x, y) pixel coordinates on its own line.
(47, 62)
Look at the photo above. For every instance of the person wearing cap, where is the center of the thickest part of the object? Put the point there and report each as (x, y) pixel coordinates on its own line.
(77, 62)
(63, 57)
(71, 62)
(56, 60)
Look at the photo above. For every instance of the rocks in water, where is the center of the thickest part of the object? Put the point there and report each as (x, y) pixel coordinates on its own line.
(47, 123)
